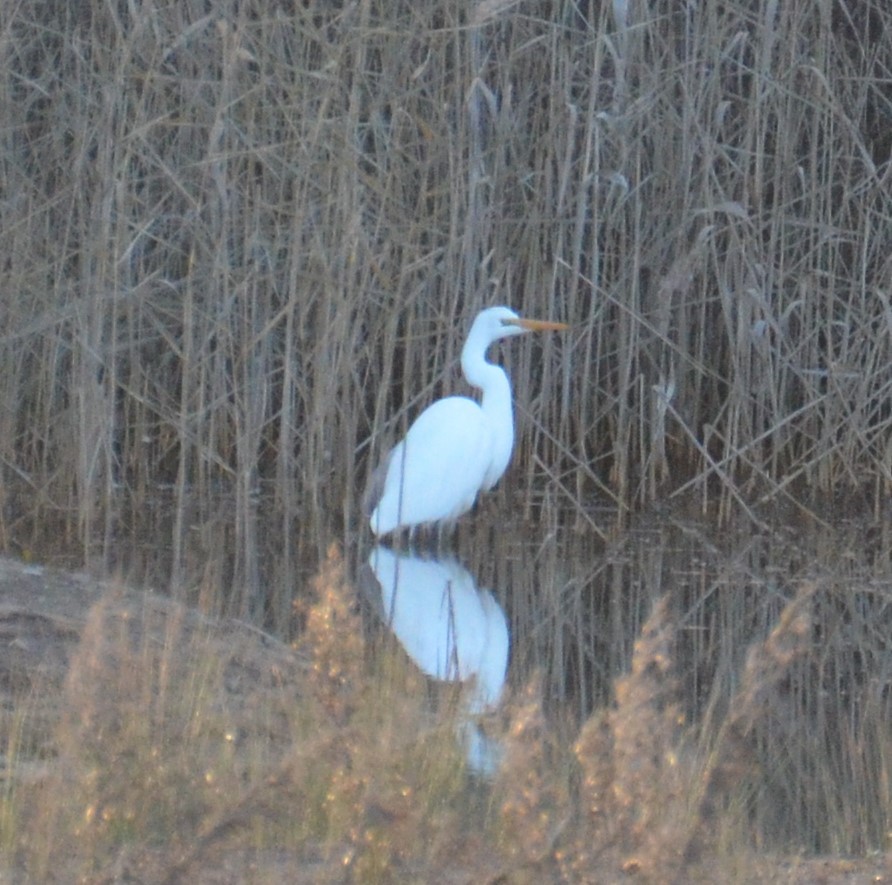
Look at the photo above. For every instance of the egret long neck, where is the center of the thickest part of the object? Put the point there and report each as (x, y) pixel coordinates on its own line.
(497, 407)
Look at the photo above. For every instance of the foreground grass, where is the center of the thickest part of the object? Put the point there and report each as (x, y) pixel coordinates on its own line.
(184, 749)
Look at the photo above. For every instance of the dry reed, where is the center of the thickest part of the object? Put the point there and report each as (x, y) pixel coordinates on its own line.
(240, 249)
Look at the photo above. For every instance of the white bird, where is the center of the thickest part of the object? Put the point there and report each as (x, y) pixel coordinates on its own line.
(456, 447)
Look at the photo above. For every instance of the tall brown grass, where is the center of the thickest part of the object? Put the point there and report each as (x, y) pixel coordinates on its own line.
(181, 748)
(240, 250)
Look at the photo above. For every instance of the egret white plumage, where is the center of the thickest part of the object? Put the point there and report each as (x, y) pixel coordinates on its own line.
(456, 447)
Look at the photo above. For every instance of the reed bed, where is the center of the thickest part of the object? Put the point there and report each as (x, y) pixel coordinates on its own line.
(241, 247)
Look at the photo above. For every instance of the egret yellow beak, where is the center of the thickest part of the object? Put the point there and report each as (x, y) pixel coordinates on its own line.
(536, 325)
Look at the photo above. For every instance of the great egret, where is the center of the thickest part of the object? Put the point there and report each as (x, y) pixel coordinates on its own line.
(456, 447)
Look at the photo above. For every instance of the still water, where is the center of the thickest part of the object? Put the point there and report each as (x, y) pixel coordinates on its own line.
(511, 600)
(505, 601)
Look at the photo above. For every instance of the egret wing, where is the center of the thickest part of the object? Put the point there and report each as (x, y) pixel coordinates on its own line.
(435, 473)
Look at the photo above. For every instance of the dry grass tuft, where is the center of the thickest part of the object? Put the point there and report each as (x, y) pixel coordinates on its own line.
(763, 699)
(333, 636)
(532, 790)
(186, 748)
(163, 719)
(637, 778)
(653, 800)
(651, 784)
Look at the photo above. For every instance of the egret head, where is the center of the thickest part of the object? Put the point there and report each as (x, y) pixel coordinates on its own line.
(502, 322)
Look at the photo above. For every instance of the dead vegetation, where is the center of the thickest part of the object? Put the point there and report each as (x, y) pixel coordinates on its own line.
(184, 749)
(239, 245)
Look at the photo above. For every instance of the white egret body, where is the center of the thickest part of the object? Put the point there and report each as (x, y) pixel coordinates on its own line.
(456, 447)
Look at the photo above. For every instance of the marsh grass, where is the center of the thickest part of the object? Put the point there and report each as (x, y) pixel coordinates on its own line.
(177, 740)
(240, 250)
(190, 749)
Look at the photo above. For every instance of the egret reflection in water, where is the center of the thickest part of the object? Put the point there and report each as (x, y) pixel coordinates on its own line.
(451, 630)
